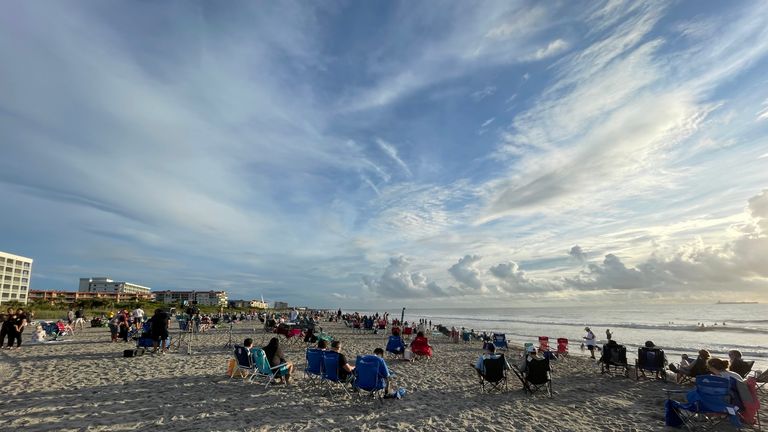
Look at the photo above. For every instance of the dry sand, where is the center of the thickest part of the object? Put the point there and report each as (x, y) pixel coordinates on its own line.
(86, 384)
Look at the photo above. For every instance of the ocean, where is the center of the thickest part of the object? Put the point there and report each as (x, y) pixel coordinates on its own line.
(672, 327)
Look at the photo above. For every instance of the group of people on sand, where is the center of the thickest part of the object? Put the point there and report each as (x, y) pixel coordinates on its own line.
(735, 367)
(285, 368)
(13, 325)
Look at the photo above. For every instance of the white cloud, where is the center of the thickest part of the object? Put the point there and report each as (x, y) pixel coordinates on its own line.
(399, 281)
(483, 93)
(391, 151)
(554, 48)
(465, 272)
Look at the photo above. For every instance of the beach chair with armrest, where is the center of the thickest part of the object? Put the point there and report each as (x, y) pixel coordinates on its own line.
(330, 375)
(706, 406)
(371, 375)
(651, 360)
(536, 376)
(614, 359)
(421, 349)
(263, 370)
(698, 368)
(500, 341)
(395, 346)
(494, 374)
(407, 332)
(314, 369)
(762, 379)
(244, 363)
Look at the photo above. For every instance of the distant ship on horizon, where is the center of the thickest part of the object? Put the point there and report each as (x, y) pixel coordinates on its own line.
(741, 302)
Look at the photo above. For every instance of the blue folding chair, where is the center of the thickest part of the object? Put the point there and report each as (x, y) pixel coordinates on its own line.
(708, 405)
(395, 345)
(314, 369)
(500, 341)
(330, 373)
(244, 363)
(371, 374)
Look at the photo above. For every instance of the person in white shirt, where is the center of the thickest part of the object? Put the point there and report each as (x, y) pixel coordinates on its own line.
(294, 315)
(138, 317)
(720, 368)
(589, 341)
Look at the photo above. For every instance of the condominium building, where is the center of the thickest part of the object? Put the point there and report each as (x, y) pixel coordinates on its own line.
(15, 274)
(54, 296)
(203, 298)
(106, 285)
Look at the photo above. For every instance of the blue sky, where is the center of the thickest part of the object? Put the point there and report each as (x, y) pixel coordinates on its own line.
(383, 153)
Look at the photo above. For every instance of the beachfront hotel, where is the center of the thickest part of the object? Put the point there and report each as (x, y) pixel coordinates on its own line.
(15, 274)
(106, 285)
(67, 297)
(203, 298)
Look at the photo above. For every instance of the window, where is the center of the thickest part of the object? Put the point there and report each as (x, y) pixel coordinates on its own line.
(13, 295)
(5, 294)
(25, 272)
(22, 296)
(25, 280)
(26, 265)
(8, 269)
(23, 287)
(19, 262)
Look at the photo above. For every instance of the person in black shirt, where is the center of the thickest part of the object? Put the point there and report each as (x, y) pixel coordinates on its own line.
(345, 370)
(6, 329)
(160, 323)
(18, 322)
(276, 357)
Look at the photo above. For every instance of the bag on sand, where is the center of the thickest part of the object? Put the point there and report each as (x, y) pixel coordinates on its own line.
(133, 352)
(231, 366)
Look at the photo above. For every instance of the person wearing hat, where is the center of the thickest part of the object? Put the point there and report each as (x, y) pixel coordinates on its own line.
(589, 341)
(530, 354)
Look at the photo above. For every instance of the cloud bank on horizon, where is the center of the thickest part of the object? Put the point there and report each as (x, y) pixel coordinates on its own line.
(360, 153)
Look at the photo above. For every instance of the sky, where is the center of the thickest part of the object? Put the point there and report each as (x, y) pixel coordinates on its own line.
(387, 154)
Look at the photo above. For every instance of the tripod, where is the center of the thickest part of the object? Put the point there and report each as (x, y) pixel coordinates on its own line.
(229, 343)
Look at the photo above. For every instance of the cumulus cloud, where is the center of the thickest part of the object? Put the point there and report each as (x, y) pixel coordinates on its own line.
(399, 281)
(467, 273)
(577, 253)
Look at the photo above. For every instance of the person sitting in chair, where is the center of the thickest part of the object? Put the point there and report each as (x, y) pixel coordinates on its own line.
(490, 353)
(738, 364)
(691, 368)
(530, 355)
(275, 357)
(720, 368)
(345, 369)
(421, 346)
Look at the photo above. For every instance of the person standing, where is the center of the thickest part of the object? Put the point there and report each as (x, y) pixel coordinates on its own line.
(589, 341)
(70, 317)
(160, 323)
(138, 317)
(6, 331)
(18, 324)
(123, 324)
(79, 319)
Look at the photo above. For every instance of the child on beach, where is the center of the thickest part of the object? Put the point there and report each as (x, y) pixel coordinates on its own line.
(39, 334)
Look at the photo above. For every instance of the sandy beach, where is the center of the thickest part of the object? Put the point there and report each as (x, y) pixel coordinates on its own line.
(86, 384)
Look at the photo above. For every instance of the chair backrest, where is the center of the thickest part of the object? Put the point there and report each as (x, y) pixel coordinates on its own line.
(743, 367)
(713, 393)
(537, 370)
(420, 345)
(615, 354)
(368, 373)
(314, 361)
(395, 344)
(699, 368)
(330, 366)
(243, 356)
(494, 368)
(407, 330)
(650, 358)
(500, 340)
(260, 361)
(562, 345)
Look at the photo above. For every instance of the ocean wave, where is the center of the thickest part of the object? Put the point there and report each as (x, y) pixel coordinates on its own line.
(639, 326)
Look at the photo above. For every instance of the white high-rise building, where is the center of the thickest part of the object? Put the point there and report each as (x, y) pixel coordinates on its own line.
(103, 284)
(15, 274)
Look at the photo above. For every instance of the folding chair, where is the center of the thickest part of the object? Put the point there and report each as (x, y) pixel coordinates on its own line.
(614, 359)
(371, 376)
(762, 379)
(262, 368)
(651, 360)
(500, 341)
(707, 406)
(244, 363)
(562, 347)
(743, 368)
(314, 370)
(395, 346)
(421, 348)
(537, 376)
(494, 373)
(330, 374)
